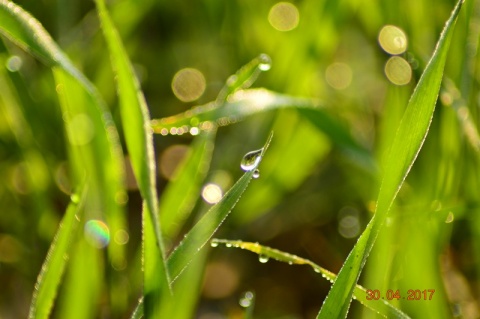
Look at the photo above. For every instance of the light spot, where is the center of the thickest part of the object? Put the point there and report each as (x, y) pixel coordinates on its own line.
(121, 237)
(284, 16)
(14, 63)
(80, 129)
(450, 218)
(171, 158)
(9, 249)
(392, 40)
(188, 84)
(398, 71)
(221, 280)
(338, 75)
(97, 233)
(349, 224)
(62, 179)
(212, 193)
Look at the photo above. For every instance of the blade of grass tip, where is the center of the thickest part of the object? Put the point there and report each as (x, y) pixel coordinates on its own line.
(404, 150)
(265, 253)
(204, 229)
(136, 123)
(54, 266)
(245, 77)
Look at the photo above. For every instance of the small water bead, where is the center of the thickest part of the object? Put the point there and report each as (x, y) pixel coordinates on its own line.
(256, 173)
(251, 160)
(247, 300)
(263, 259)
(75, 198)
(265, 62)
(228, 245)
(214, 243)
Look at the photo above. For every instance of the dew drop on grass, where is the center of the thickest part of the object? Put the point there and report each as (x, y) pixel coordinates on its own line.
(265, 62)
(228, 245)
(256, 173)
(75, 198)
(214, 243)
(246, 300)
(251, 160)
(317, 270)
(263, 259)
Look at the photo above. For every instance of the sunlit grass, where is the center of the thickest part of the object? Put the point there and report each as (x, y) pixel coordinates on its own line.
(122, 132)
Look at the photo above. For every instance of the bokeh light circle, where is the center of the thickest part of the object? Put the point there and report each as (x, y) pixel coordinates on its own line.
(97, 233)
(188, 84)
(284, 16)
(393, 40)
(338, 75)
(398, 71)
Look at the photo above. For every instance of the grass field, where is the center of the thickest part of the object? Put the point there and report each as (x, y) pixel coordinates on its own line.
(334, 143)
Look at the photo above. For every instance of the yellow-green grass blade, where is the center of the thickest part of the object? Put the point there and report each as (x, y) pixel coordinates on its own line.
(204, 229)
(381, 307)
(100, 155)
(245, 103)
(245, 76)
(178, 198)
(403, 152)
(54, 266)
(139, 139)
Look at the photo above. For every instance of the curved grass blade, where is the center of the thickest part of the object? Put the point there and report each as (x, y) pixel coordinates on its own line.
(381, 307)
(249, 102)
(102, 157)
(407, 143)
(56, 261)
(204, 229)
(136, 118)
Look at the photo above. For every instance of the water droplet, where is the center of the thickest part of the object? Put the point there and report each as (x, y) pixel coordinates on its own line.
(228, 245)
(290, 262)
(247, 300)
(214, 243)
(251, 160)
(75, 198)
(317, 270)
(256, 173)
(263, 259)
(265, 62)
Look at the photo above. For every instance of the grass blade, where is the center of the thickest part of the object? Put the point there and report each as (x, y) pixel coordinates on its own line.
(55, 263)
(381, 307)
(101, 157)
(249, 102)
(198, 236)
(136, 119)
(406, 145)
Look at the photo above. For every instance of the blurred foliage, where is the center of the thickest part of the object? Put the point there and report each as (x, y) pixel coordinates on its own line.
(308, 184)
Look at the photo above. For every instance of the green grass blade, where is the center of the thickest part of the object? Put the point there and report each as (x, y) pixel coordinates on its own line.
(245, 77)
(406, 145)
(139, 139)
(245, 103)
(55, 263)
(178, 198)
(204, 229)
(102, 157)
(381, 307)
